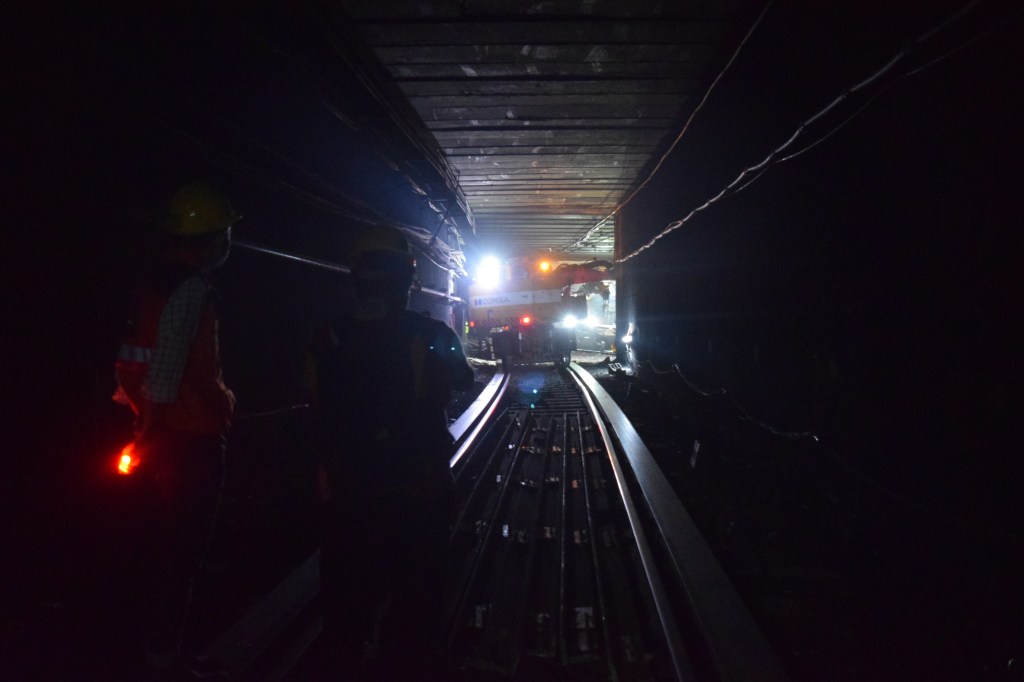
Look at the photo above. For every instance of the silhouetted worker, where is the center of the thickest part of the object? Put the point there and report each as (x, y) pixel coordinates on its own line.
(169, 372)
(383, 376)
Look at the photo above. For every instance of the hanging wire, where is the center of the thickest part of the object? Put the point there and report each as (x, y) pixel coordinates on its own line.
(742, 413)
(967, 43)
(410, 129)
(912, 72)
(298, 168)
(319, 88)
(679, 137)
(58, 89)
(773, 157)
(217, 153)
(454, 257)
(827, 135)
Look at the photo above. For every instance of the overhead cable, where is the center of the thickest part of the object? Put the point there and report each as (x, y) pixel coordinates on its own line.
(774, 157)
(319, 86)
(409, 129)
(57, 89)
(307, 260)
(333, 267)
(686, 126)
(742, 411)
(967, 43)
(998, 535)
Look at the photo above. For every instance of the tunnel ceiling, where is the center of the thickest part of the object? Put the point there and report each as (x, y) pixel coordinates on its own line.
(550, 112)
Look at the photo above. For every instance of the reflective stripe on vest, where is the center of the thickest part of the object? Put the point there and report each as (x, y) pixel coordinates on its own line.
(135, 354)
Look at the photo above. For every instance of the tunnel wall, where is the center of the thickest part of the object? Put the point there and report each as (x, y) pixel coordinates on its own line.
(114, 110)
(864, 289)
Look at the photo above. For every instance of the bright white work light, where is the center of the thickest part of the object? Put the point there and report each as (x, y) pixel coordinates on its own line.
(489, 273)
(628, 338)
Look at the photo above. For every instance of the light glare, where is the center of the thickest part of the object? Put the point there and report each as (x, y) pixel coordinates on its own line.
(127, 462)
(489, 272)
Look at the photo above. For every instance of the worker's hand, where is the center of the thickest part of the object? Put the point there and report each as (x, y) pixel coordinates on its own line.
(142, 450)
(121, 397)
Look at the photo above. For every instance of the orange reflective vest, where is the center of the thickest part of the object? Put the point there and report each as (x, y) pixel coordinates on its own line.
(204, 404)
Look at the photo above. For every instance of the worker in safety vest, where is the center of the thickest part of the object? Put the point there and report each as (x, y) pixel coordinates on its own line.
(381, 378)
(169, 373)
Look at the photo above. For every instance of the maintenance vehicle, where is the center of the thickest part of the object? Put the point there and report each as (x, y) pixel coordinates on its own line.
(529, 310)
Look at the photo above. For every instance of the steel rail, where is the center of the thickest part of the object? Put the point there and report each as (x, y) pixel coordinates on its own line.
(601, 590)
(563, 537)
(590, 585)
(738, 648)
(649, 507)
(489, 530)
(284, 611)
(467, 428)
(682, 666)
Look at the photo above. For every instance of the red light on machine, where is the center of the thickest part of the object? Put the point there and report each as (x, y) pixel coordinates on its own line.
(127, 461)
(525, 320)
(472, 324)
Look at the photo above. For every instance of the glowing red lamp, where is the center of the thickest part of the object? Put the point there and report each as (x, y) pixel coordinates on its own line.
(127, 461)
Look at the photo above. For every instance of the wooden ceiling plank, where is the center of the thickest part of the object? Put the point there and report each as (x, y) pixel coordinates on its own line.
(444, 32)
(590, 52)
(568, 98)
(611, 70)
(529, 138)
(568, 10)
(555, 125)
(595, 154)
(549, 111)
(618, 115)
(469, 87)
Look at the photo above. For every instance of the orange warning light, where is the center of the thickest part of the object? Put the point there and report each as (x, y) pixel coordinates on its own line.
(544, 266)
(127, 461)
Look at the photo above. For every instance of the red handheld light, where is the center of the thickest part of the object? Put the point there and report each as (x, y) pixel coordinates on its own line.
(127, 461)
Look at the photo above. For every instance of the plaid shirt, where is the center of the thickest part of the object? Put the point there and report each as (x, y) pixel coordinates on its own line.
(178, 324)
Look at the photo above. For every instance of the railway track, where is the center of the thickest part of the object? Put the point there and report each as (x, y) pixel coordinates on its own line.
(572, 556)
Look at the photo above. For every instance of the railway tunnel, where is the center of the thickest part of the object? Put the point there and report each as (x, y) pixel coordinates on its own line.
(809, 214)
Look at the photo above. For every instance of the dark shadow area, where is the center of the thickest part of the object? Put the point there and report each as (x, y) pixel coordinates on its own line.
(865, 292)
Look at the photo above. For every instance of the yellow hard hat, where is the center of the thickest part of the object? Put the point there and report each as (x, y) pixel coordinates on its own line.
(199, 209)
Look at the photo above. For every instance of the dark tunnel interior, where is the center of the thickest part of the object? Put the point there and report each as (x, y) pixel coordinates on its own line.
(866, 290)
